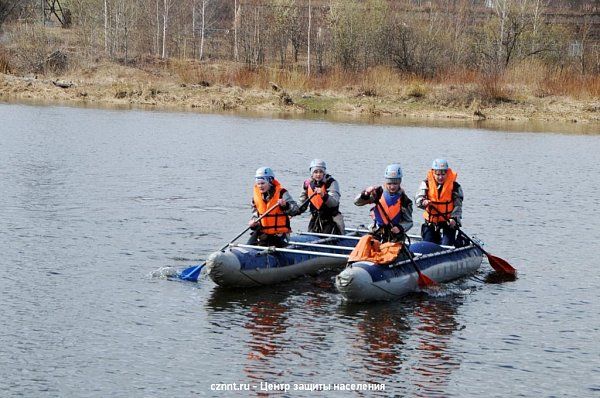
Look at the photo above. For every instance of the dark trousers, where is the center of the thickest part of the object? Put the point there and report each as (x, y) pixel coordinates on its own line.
(441, 233)
(323, 225)
(261, 239)
(384, 234)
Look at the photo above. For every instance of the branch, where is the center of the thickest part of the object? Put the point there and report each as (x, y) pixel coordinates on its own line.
(4, 14)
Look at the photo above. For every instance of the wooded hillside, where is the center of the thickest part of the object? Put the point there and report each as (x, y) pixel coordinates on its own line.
(424, 38)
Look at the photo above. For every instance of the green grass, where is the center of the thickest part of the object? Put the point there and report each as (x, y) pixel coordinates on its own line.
(317, 104)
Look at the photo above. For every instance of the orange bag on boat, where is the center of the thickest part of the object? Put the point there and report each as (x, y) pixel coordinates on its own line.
(388, 253)
(364, 249)
(370, 249)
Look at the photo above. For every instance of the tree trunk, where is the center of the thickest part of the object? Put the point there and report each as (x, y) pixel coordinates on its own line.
(115, 35)
(202, 31)
(126, 44)
(236, 17)
(165, 21)
(502, 15)
(106, 26)
(157, 29)
(194, 29)
(308, 39)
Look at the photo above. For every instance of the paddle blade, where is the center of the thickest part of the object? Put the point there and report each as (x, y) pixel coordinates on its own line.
(191, 273)
(501, 265)
(426, 282)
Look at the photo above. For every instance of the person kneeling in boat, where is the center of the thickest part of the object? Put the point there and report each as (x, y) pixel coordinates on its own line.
(274, 228)
(396, 219)
(441, 197)
(325, 204)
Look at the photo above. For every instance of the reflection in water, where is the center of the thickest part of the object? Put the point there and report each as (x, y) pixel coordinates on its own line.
(436, 360)
(261, 314)
(406, 344)
(266, 323)
(282, 329)
(496, 277)
(382, 331)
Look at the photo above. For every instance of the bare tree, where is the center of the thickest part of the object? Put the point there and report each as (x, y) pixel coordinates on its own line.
(281, 16)
(203, 27)
(7, 7)
(345, 25)
(106, 26)
(236, 23)
(501, 9)
(165, 18)
(126, 15)
(157, 39)
(585, 33)
(251, 33)
(372, 32)
(296, 31)
(210, 12)
(352, 34)
(515, 32)
(308, 38)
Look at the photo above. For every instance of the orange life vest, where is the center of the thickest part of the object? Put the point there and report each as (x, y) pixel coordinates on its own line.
(392, 210)
(276, 222)
(317, 200)
(318, 206)
(441, 200)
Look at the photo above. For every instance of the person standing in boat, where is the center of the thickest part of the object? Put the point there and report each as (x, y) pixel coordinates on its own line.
(441, 197)
(397, 205)
(274, 228)
(325, 205)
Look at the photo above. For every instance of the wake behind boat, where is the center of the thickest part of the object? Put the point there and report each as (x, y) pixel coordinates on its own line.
(241, 265)
(366, 281)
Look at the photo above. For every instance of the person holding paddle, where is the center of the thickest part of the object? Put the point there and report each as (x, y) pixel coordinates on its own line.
(397, 220)
(272, 207)
(325, 205)
(441, 196)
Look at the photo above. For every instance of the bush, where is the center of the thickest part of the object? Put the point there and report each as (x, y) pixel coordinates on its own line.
(492, 87)
(416, 90)
(31, 45)
(4, 61)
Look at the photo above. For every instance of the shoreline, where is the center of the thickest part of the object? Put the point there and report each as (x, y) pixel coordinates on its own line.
(551, 114)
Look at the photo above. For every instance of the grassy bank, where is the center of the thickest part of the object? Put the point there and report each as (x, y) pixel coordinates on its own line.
(524, 93)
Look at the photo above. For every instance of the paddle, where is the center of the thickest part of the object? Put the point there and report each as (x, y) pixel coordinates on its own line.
(424, 281)
(498, 264)
(192, 273)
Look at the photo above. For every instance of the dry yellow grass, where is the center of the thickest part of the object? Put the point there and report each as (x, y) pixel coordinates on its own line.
(517, 95)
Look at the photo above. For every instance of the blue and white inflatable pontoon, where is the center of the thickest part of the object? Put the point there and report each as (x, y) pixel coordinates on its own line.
(242, 265)
(365, 281)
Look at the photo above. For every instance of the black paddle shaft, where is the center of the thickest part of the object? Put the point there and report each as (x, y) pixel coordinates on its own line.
(423, 279)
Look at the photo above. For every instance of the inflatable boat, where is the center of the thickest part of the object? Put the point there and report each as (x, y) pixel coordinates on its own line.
(366, 281)
(241, 265)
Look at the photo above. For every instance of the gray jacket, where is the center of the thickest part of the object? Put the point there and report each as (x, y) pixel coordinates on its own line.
(457, 198)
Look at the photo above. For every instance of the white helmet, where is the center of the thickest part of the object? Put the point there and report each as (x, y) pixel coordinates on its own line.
(264, 173)
(317, 164)
(393, 173)
(439, 164)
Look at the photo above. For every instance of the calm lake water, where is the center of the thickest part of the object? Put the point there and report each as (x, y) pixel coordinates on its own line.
(95, 201)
